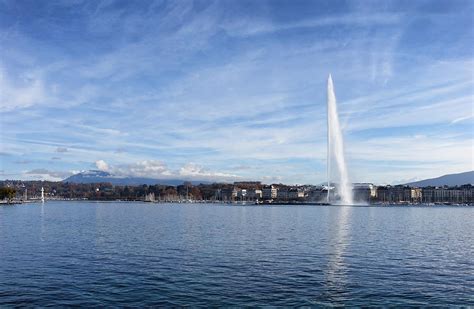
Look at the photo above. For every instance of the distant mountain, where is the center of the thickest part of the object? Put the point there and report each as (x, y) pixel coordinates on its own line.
(448, 180)
(95, 176)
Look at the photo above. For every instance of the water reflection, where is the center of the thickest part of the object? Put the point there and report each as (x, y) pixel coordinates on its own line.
(336, 270)
(42, 228)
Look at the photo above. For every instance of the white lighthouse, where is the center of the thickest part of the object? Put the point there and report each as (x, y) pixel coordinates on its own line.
(42, 195)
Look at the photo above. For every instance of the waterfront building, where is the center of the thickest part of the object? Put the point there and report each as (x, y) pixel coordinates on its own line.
(253, 195)
(363, 192)
(242, 194)
(416, 195)
(226, 194)
(269, 192)
(384, 194)
(317, 194)
(282, 194)
(427, 194)
(461, 194)
(295, 194)
(401, 194)
(394, 194)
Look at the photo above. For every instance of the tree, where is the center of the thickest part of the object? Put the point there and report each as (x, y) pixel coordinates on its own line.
(7, 193)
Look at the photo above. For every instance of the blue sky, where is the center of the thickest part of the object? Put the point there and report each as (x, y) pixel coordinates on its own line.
(235, 90)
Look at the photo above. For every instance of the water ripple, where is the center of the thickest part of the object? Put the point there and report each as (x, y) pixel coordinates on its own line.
(94, 254)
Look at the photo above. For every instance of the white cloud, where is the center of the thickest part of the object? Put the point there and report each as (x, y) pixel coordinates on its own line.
(248, 27)
(144, 168)
(158, 169)
(29, 91)
(463, 118)
(44, 174)
(102, 165)
(195, 171)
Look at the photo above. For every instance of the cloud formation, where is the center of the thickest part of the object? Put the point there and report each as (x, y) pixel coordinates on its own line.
(158, 169)
(25, 92)
(145, 90)
(44, 174)
(101, 165)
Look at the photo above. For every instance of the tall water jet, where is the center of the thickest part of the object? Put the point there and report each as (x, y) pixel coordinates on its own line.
(336, 151)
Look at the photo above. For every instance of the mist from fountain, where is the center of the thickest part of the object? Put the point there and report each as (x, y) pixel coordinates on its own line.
(335, 152)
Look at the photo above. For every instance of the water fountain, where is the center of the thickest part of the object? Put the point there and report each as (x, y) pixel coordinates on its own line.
(335, 151)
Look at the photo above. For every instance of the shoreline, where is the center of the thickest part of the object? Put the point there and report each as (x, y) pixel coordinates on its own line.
(252, 203)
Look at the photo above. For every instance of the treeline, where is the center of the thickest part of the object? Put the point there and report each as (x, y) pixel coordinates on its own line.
(7, 193)
(107, 191)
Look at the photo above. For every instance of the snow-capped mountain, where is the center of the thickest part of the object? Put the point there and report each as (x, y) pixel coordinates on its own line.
(96, 176)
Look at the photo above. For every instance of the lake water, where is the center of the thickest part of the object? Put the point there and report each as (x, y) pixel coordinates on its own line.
(138, 254)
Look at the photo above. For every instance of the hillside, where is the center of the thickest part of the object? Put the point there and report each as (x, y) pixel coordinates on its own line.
(448, 180)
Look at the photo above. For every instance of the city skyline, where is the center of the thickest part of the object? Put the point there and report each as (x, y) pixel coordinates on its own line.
(231, 91)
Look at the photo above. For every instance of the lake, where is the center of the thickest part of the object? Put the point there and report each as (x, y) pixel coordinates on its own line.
(141, 254)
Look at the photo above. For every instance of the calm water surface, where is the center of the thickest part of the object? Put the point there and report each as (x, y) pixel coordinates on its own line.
(137, 254)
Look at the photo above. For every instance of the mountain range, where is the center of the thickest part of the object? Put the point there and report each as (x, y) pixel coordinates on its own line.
(446, 180)
(96, 176)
